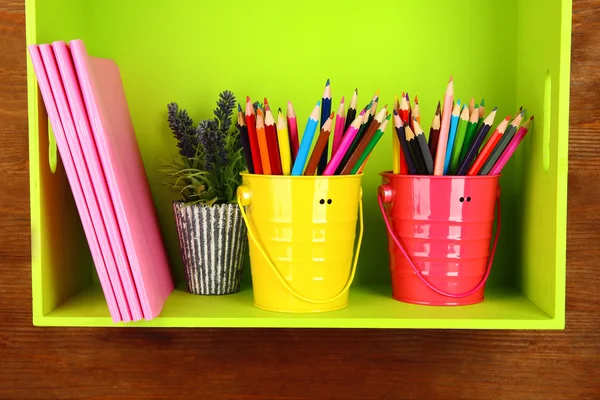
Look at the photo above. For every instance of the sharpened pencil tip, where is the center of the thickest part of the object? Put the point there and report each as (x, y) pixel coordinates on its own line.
(343, 99)
(495, 109)
(356, 91)
(507, 118)
(482, 102)
(279, 110)
(451, 79)
(239, 107)
(266, 102)
(377, 92)
(327, 83)
(395, 112)
(439, 104)
(319, 103)
(407, 97)
(247, 99)
(416, 99)
(531, 117)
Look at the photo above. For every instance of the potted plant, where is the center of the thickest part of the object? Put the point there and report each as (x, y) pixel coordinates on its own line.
(206, 172)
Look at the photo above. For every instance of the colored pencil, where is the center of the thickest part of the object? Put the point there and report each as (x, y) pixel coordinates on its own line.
(370, 146)
(359, 135)
(396, 151)
(320, 147)
(325, 111)
(471, 106)
(347, 140)
(263, 142)
(271, 131)
(423, 149)
(374, 102)
(440, 153)
(481, 114)
(401, 133)
(471, 131)
(368, 136)
(479, 138)
(501, 146)
(484, 154)
(253, 137)
(409, 108)
(284, 144)
(416, 112)
(434, 131)
(461, 132)
(351, 114)
(451, 135)
(413, 145)
(292, 130)
(241, 124)
(510, 149)
(404, 110)
(338, 132)
(307, 139)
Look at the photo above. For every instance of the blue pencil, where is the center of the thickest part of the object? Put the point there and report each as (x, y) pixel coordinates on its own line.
(325, 111)
(451, 135)
(307, 139)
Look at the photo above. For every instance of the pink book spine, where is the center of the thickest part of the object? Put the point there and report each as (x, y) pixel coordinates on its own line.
(74, 183)
(82, 170)
(107, 108)
(65, 66)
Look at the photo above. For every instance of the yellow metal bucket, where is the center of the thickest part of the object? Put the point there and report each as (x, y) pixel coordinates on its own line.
(302, 231)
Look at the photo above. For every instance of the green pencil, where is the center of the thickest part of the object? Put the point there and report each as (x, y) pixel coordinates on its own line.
(471, 132)
(363, 157)
(461, 132)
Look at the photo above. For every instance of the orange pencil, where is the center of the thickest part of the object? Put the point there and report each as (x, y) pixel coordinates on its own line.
(489, 147)
(262, 142)
(319, 147)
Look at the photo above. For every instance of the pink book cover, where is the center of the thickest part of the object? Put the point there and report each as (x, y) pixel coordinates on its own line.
(84, 207)
(112, 127)
(90, 153)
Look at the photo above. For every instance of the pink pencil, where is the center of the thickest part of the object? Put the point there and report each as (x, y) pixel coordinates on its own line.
(339, 127)
(344, 145)
(440, 153)
(293, 130)
(510, 149)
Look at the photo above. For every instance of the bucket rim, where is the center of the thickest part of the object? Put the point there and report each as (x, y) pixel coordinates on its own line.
(389, 174)
(302, 177)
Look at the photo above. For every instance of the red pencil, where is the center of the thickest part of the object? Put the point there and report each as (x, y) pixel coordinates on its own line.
(293, 130)
(489, 147)
(273, 144)
(404, 109)
(252, 136)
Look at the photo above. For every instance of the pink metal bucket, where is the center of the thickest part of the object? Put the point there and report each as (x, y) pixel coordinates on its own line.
(439, 234)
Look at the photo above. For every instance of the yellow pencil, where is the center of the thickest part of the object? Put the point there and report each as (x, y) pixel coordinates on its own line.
(284, 144)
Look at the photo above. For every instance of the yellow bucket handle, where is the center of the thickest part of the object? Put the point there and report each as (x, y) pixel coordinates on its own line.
(282, 279)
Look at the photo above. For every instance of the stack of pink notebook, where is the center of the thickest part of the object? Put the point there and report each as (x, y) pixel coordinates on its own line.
(88, 112)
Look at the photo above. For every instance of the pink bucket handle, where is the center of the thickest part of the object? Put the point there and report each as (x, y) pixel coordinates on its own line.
(385, 195)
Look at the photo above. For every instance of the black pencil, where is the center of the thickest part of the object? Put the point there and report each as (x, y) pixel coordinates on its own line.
(413, 144)
(427, 158)
(241, 125)
(351, 114)
(401, 132)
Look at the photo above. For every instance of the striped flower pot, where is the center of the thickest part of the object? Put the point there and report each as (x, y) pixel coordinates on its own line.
(212, 243)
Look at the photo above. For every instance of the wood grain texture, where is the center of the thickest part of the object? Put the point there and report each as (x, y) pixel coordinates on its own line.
(302, 364)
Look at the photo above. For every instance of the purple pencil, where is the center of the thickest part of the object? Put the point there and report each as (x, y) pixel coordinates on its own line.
(510, 149)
